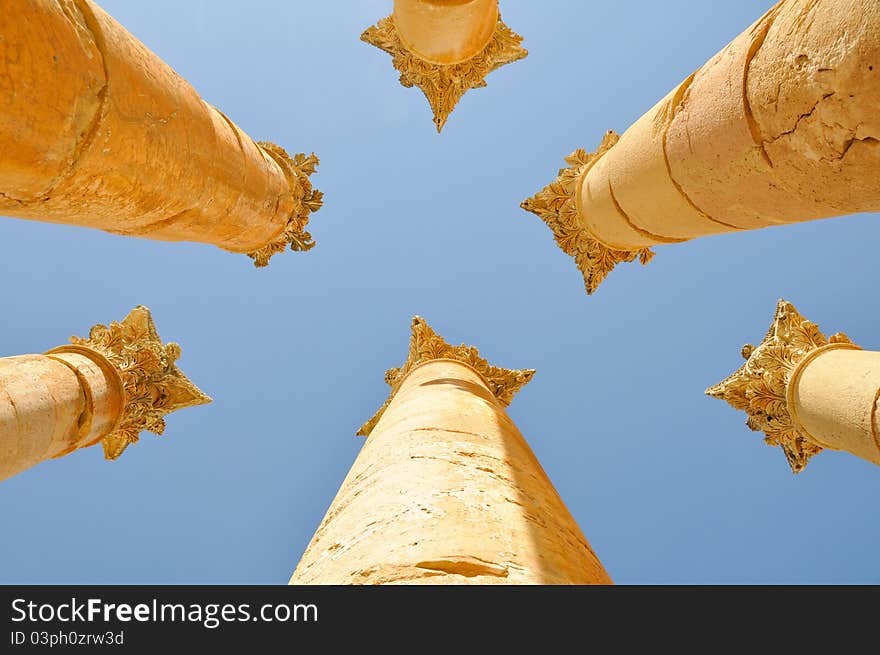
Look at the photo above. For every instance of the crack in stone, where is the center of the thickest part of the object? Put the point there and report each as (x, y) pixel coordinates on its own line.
(754, 47)
(91, 25)
(800, 118)
(849, 143)
(466, 566)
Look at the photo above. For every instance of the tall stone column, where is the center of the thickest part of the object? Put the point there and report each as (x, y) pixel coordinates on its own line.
(807, 392)
(445, 47)
(445, 489)
(105, 388)
(96, 130)
(779, 127)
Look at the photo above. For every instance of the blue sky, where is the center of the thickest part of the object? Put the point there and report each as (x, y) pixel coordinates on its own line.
(667, 484)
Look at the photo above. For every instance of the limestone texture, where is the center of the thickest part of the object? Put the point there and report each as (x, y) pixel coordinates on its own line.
(446, 490)
(779, 127)
(97, 131)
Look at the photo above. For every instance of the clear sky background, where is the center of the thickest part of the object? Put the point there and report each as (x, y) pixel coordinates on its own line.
(667, 484)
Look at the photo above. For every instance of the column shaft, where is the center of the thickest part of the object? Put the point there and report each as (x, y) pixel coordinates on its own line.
(834, 399)
(445, 31)
(447, 491)
(97, 131)
(779, 127)
(53, 404)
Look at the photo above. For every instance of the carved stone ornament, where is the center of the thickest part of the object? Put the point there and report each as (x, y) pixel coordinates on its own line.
(307, 200)
(556, 205)
(445, 84)
(426, 345)
(153, 386)
(759, 387)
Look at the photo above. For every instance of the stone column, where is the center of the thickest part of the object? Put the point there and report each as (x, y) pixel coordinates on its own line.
(445, 47)
(779, 127)
(445, 489)
(107, 388)
(807, 392)
(96, 130)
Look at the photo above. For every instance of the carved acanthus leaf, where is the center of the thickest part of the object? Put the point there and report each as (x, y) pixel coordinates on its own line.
(426, 345)
(556, 205)
(759, 386)
(445, 84)
(153, 385)
(306, 200)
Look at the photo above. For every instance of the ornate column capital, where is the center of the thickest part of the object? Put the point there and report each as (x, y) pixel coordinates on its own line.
(152, 385)
(425, 345)
(297, 170)
(760, 387)
(556, 204)
(445, 84)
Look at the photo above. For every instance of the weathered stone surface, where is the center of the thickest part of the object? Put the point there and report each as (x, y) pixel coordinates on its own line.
(446, 490)
(779, 127)
(96, 130)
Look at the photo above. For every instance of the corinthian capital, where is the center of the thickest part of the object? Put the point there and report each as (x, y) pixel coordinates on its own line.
(556, 205)
(152, 385)
(760, 387)
(445, 84)
(426, 345)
